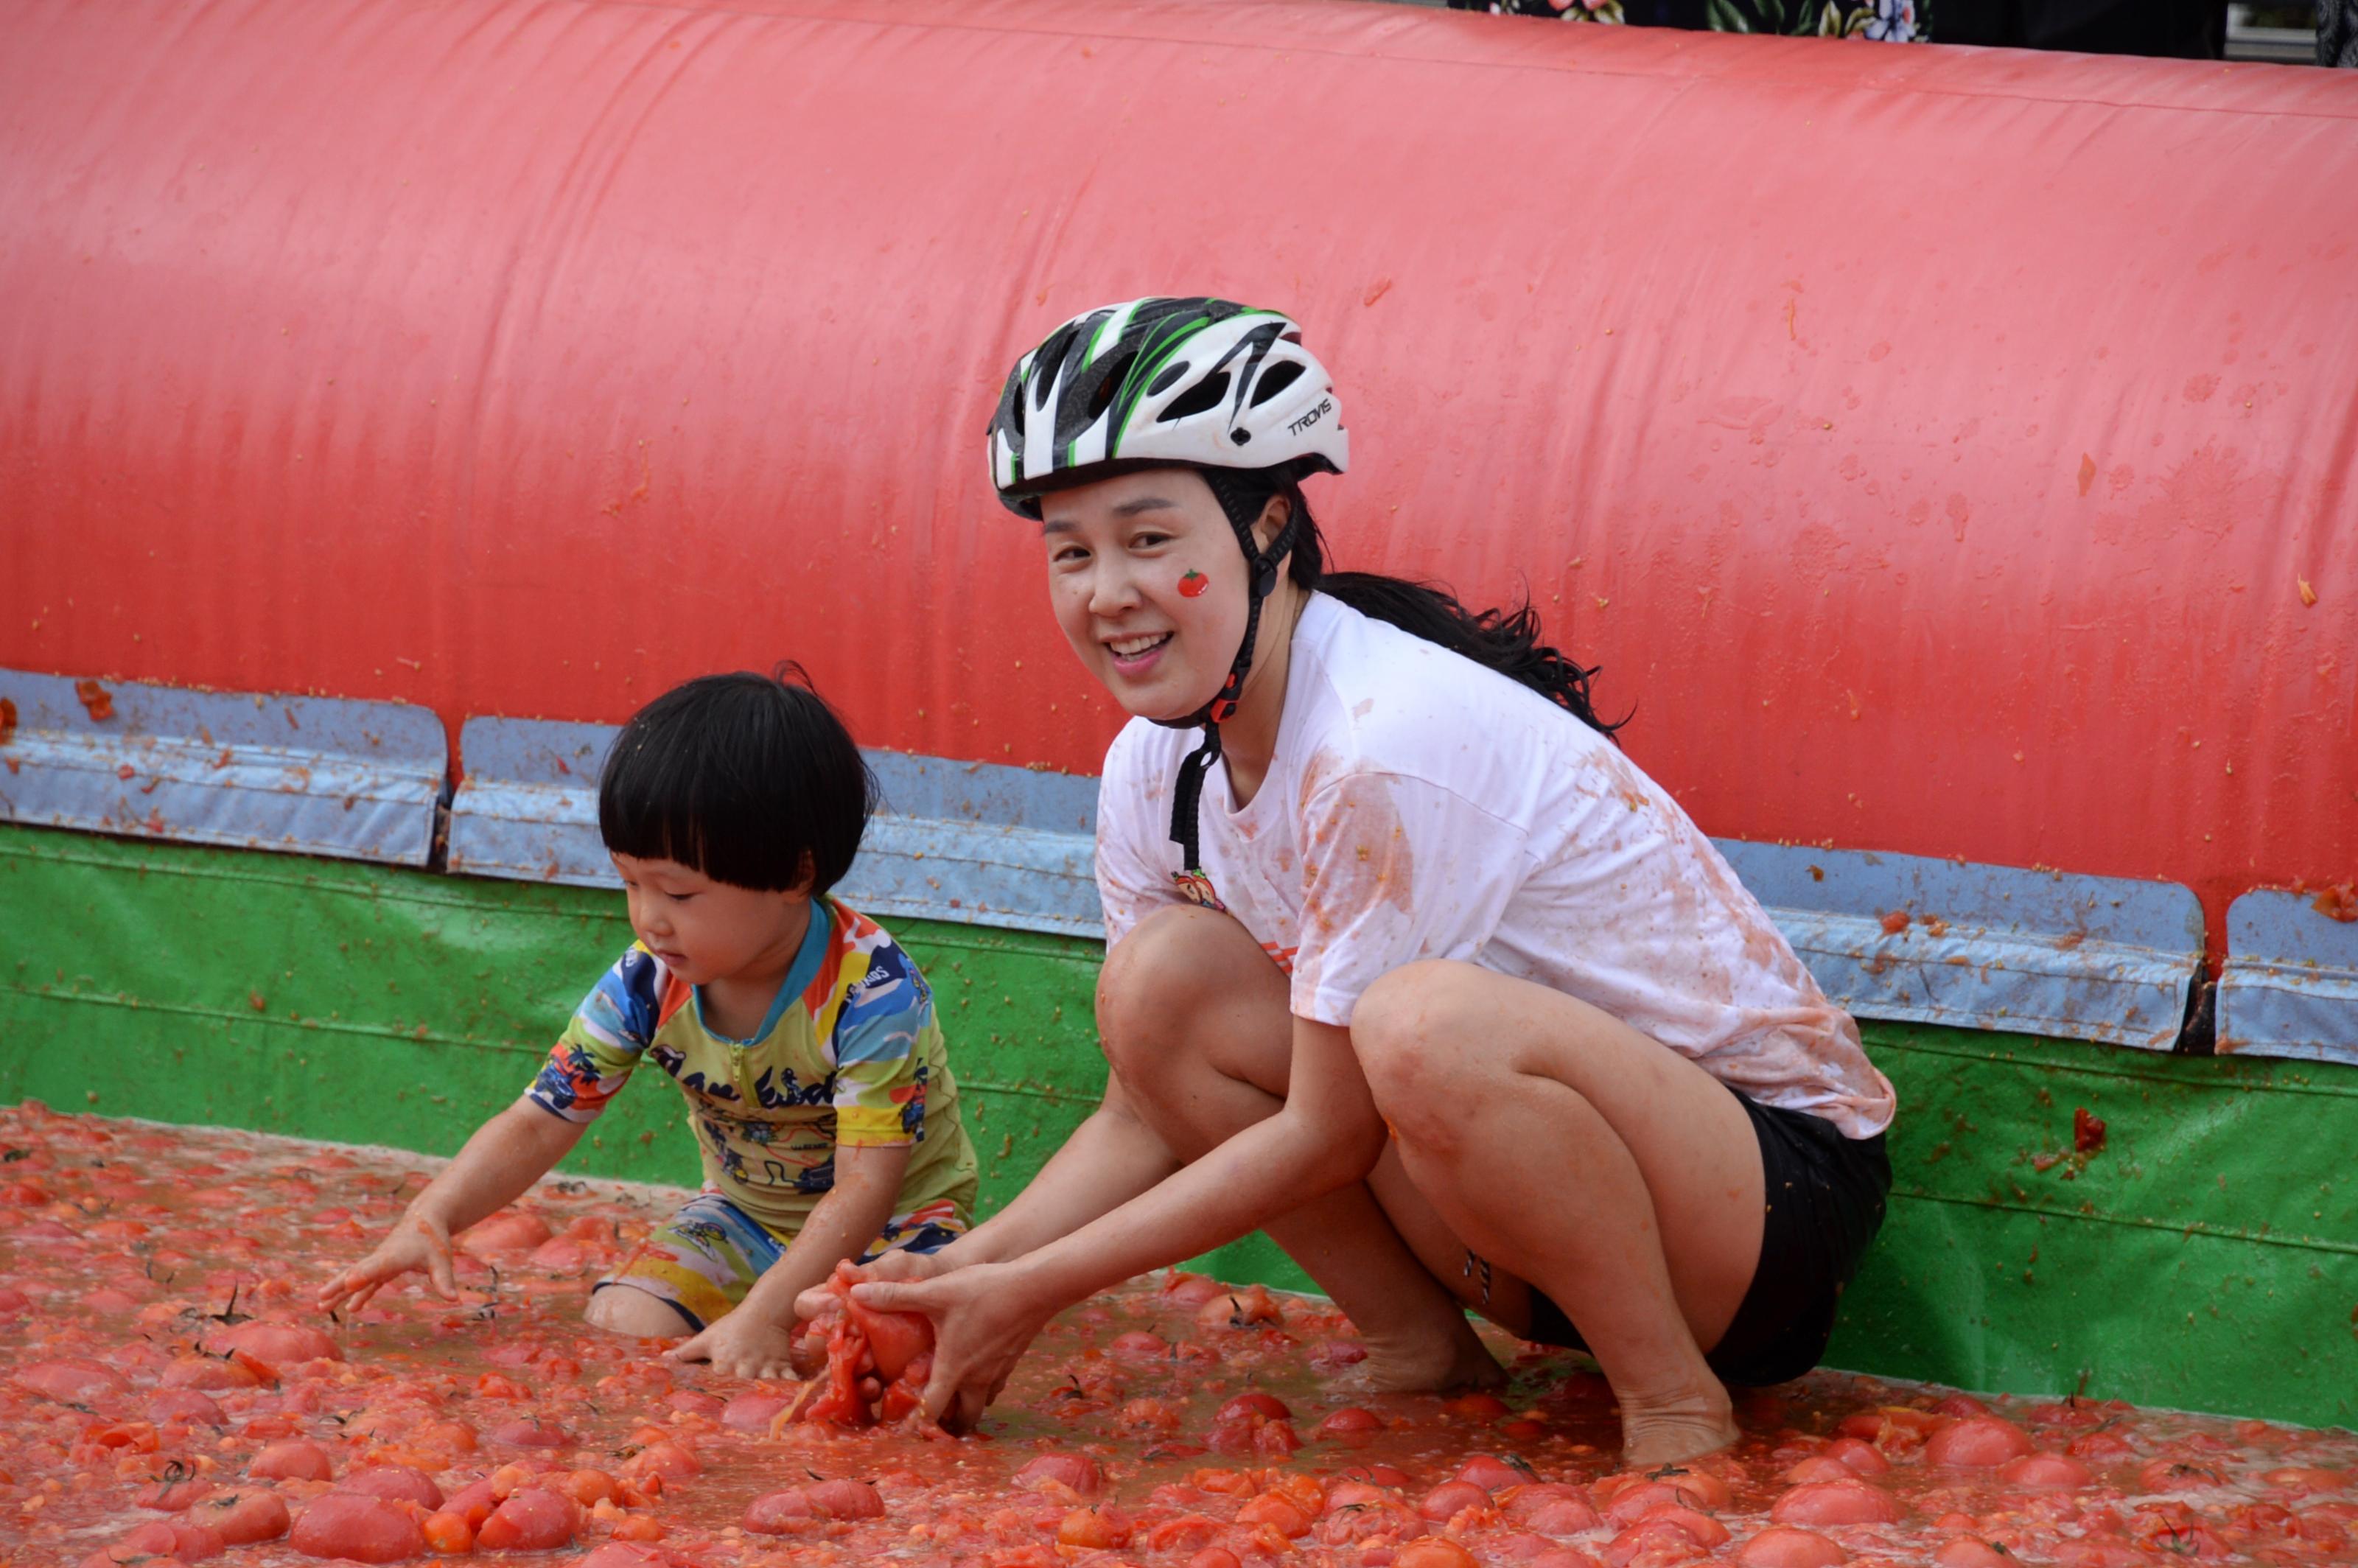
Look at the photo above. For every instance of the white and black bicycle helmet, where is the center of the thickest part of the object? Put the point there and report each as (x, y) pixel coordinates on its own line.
(1155, 381)
(1204, 384)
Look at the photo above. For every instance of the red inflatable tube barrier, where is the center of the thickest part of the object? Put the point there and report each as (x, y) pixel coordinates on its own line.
(1943, 451)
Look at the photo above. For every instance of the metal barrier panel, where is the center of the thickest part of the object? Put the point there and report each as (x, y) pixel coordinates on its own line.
(2027, 952)
(1892, 937)
(2290, 985)
(318, 775)
(967, 842)
(1886, 935)
(527, 808)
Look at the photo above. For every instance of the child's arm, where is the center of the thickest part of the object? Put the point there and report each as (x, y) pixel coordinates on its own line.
(754, 1340)
(504, 1157)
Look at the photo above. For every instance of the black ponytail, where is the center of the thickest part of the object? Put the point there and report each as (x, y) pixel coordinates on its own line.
(1506, 641)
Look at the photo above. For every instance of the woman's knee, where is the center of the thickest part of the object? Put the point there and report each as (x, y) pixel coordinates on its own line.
(1161, 975)
(1411, 1030)
(1406, 1043)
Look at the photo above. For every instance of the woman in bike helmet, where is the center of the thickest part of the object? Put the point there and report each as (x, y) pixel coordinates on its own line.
(1409, 965)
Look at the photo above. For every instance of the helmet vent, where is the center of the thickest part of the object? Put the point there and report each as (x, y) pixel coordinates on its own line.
(1201, 398)
(1274, 380)
(1168, 379)
(1047, 368)
(1108, 382)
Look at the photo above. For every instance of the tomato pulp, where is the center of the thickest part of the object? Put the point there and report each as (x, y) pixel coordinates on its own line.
(164, 1388)
(877, 1363)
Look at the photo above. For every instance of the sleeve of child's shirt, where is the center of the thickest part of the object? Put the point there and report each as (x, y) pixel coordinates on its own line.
(594, 1057)
(879, 1052)
(1133, 844)
(1396, 870)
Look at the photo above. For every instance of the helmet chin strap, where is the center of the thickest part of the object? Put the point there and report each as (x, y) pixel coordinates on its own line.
(1243, 500)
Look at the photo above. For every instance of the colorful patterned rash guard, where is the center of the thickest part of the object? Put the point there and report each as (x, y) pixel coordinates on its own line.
(849, 1057)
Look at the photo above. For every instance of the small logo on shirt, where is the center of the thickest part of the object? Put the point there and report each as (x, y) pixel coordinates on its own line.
(1197, 889)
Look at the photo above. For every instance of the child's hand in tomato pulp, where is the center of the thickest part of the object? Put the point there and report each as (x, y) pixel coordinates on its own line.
(418, 1243)
(742, 1345)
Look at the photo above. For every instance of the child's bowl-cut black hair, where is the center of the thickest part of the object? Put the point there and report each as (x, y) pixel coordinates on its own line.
(750, 779)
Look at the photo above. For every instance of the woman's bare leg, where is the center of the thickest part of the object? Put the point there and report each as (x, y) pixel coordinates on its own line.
(1567, 1148)
(1195, 1019)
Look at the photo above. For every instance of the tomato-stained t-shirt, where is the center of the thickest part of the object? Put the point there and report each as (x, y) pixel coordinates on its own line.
(849, 1057)
(1419, 805)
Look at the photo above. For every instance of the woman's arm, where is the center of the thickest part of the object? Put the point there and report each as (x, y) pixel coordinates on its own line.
(756, 1340)
(1109, 1159)
(499, 1164)
(1326, 1135)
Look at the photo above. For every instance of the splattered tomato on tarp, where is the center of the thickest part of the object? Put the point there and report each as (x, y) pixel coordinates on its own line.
(167, 1398)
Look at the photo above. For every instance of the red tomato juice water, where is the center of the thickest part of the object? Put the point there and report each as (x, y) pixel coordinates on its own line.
(167, 1395)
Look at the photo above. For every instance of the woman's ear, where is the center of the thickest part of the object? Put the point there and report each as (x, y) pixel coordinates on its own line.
(1274, 513)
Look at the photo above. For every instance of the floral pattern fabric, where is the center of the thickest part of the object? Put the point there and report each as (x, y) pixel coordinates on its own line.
(705, 1261)
(1883, 21)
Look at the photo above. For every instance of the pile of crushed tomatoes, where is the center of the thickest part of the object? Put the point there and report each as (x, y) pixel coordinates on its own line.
(167, 1398)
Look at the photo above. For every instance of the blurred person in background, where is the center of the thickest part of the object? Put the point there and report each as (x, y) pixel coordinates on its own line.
(1887, 21)
(2191, 29)
(2337, 33)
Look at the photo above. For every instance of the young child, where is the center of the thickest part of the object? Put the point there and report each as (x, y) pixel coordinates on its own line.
(801, 1035)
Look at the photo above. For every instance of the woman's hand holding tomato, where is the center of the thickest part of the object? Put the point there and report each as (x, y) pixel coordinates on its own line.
(984, 1315)
(900, 1266)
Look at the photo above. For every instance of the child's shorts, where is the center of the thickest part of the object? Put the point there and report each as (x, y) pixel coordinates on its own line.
(708, 1256)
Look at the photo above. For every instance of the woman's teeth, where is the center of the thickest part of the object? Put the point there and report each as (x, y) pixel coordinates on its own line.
(1130, 647)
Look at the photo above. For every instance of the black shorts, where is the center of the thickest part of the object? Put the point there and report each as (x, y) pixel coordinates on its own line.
(1825, 1203)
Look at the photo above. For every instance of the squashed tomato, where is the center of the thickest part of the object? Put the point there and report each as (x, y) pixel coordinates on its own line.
(1977, 1443)
(1076, 1471)
(1827, 1503)
(532, 1518)
(1434, 1552)
(1784, 1546)
(355, 1525)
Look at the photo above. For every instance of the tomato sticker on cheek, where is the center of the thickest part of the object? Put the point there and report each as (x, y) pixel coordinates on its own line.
(1193, 585)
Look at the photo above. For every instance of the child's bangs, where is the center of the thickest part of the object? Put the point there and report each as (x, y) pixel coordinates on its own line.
(666, 802)
(745, 778)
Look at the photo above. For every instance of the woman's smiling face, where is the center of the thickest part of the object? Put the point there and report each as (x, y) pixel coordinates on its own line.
(1149, 587)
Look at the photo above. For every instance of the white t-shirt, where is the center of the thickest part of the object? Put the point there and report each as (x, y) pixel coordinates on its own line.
(1422, 807)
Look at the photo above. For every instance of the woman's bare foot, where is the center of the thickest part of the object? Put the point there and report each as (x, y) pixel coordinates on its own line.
(1662, 1432)
(1458, 1360)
